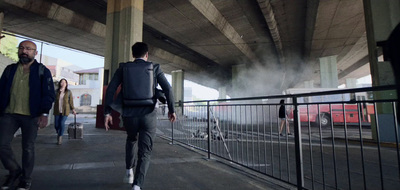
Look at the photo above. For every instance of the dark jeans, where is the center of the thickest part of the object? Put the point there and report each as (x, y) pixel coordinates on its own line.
(145, 127)
(9, 124)
(59, 124)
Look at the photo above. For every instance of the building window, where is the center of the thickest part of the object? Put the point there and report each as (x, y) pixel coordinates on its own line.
(87, 76)
(86, 100)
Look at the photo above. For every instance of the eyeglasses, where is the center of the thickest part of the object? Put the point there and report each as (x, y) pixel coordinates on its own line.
(27, 48)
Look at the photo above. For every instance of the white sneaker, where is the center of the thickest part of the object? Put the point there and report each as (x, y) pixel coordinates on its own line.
(128, 178)
(135, 187)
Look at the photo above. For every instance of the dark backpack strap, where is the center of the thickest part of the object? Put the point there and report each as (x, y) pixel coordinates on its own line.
(8, 69)
(41, 70)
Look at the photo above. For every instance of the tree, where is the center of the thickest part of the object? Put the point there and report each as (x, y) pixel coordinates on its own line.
(8, 47)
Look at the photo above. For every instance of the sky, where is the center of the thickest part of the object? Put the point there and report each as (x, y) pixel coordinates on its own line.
(89, 61)
(78, 58)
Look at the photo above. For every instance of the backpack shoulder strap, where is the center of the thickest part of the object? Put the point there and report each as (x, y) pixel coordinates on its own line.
(8, 69)
(41, 70)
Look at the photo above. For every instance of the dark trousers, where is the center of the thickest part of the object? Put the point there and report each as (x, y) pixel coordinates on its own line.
(9, 124)
(143, 130)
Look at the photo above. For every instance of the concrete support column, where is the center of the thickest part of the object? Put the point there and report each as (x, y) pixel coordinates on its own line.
(351, 83)
(124, 27)
(238, 72)
(222, 93)
(309, 84)
(381, 17)
(177, 87)
(329, 74)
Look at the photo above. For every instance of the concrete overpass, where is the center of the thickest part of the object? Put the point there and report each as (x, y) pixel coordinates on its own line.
(277, 43)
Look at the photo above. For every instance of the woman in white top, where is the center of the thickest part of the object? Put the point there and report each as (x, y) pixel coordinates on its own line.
(62, 107)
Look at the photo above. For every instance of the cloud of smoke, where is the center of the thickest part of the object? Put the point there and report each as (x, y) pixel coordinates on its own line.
(267, 77)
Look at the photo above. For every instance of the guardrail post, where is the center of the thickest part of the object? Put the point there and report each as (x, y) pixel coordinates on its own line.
(208, 130)
(298, 149)
(172, 131)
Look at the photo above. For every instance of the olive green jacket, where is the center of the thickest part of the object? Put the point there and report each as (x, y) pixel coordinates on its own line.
(68, 103)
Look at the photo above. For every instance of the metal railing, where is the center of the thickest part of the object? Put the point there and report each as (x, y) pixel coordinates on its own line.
(341, 144)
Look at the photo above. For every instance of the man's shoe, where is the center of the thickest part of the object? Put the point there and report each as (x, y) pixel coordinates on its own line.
(128, 178)
(24, 185)
(135, 187)
(9, 183)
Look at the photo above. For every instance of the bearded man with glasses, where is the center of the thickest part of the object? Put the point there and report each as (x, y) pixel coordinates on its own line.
(27, 94)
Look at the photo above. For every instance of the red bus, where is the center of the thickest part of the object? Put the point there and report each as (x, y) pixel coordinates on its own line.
(353, 113)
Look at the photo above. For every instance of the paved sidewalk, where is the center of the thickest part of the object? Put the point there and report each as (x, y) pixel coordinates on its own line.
(97, 162)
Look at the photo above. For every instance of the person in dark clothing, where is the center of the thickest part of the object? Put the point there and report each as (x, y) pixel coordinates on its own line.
(24, 104)
(283, 118)
(138, 119)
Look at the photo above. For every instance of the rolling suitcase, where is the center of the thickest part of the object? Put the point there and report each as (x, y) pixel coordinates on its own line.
(75, 130)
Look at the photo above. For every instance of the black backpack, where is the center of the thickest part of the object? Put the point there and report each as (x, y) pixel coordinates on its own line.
(138, 84)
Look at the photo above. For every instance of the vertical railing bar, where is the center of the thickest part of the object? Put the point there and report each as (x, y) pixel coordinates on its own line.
(396, 130)
(298, 146)
(208, 130)
(198, 124)
(258, 139)
(271, 140)
(203, 113)
(362, 147)
(379, 145)
(241, 135)
(321, 146)
(192, 122)
(252, 137)
(217, 117)
(204, 119)
(196, 141)
(195, 126)
(230, 133)
(333, 146)
(311, 154)
(347, 144)
(236, 130)
(172, 132)
(279, 143)
(225, 133)
(287, 153)
(221, 116)
(247, 136)
(287, 146)
(264, 139)
(226, 128)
